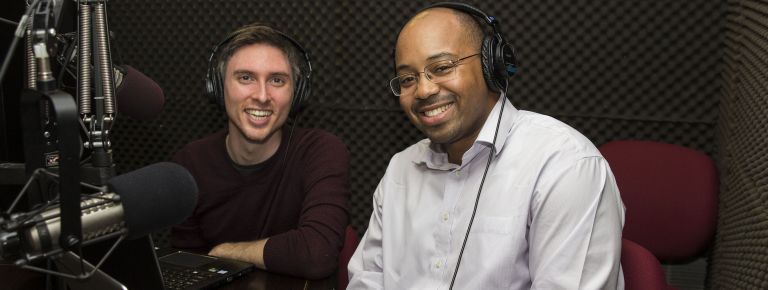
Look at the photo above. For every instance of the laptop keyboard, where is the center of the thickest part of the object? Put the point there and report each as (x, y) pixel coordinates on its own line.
(180, 278)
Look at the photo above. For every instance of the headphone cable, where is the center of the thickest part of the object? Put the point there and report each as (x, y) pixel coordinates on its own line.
(480, 189)
(283, 163)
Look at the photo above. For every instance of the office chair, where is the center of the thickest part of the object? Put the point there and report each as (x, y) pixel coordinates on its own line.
(670, 194)
(350, 244)
(642, 271)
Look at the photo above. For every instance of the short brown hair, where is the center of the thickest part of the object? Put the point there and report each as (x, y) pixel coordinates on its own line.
(259, 33)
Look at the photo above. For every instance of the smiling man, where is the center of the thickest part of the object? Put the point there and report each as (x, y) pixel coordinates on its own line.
(495, 197)
(270, 194)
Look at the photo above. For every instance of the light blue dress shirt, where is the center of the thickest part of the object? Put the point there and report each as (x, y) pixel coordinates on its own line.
(549, 216)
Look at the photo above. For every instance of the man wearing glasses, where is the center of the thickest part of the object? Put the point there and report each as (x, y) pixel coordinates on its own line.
(495, 198)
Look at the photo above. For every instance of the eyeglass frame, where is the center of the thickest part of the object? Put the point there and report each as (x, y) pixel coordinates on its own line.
(455, 63)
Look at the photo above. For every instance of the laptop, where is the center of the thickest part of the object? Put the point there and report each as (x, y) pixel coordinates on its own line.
(139, 265)
(185, 270)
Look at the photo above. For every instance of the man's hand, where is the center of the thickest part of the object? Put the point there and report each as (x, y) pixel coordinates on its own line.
(252, 252)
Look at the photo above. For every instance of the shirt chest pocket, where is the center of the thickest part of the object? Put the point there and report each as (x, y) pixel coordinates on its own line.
(503, 209)
(499, 245)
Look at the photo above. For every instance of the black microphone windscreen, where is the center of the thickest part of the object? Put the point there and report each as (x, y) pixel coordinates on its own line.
(138, 96)
(155, 197)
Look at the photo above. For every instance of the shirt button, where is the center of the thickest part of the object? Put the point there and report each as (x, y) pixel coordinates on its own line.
(445, 217)
(438, 264)
(457, 172)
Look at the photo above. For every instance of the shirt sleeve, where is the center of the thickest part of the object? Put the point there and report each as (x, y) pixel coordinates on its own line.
(366, 265)
(575, 232)
(312, 250)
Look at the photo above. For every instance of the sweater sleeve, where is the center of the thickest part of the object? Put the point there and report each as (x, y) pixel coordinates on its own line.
(187, 235)
(311, 250)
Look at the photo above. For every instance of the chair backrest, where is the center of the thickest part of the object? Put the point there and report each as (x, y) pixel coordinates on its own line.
(350, 244)
(670, 194)
(642, 271)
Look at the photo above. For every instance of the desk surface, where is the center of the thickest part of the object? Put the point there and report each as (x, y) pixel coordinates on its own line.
(20, 279)
(141, 252)
(264, 280)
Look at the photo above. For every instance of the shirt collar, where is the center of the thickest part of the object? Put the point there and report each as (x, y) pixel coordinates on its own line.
(433, 155)
(488, 131)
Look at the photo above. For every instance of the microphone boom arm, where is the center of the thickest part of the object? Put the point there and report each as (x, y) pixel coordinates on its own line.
(95, 70)
(66, 119)
(65, 111)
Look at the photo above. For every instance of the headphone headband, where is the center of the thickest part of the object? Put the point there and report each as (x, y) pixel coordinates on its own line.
(498, 57)
(469, 9)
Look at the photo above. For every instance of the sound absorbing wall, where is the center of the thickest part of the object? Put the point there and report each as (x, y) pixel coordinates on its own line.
(740, 256)
(649, 70)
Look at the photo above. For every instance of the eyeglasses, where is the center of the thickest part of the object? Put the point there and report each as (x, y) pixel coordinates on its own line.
(436, 72)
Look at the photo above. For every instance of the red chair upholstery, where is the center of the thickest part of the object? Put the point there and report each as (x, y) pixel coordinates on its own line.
(670, 193)
(350, 244)
(642, 271)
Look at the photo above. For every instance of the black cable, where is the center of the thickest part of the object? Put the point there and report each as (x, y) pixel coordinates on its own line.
(8, 56)
(15, 41)
(283, 163)
(290, 136)
(480, 190)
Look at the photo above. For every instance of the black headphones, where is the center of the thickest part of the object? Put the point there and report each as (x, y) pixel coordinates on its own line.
(497, 56)
(214, 85)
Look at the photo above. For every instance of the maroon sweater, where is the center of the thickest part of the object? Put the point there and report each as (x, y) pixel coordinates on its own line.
(300, 203)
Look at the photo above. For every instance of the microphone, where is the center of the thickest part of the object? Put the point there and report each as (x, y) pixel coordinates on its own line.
(140, 202)
(138, 96)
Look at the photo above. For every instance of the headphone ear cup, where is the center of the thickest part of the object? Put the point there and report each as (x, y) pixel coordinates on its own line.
(208, 86)
(487, 58)
(306, 93)
(507, 61)
(504, 62)
(300, 96)
(218, 90)
(213, 86)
